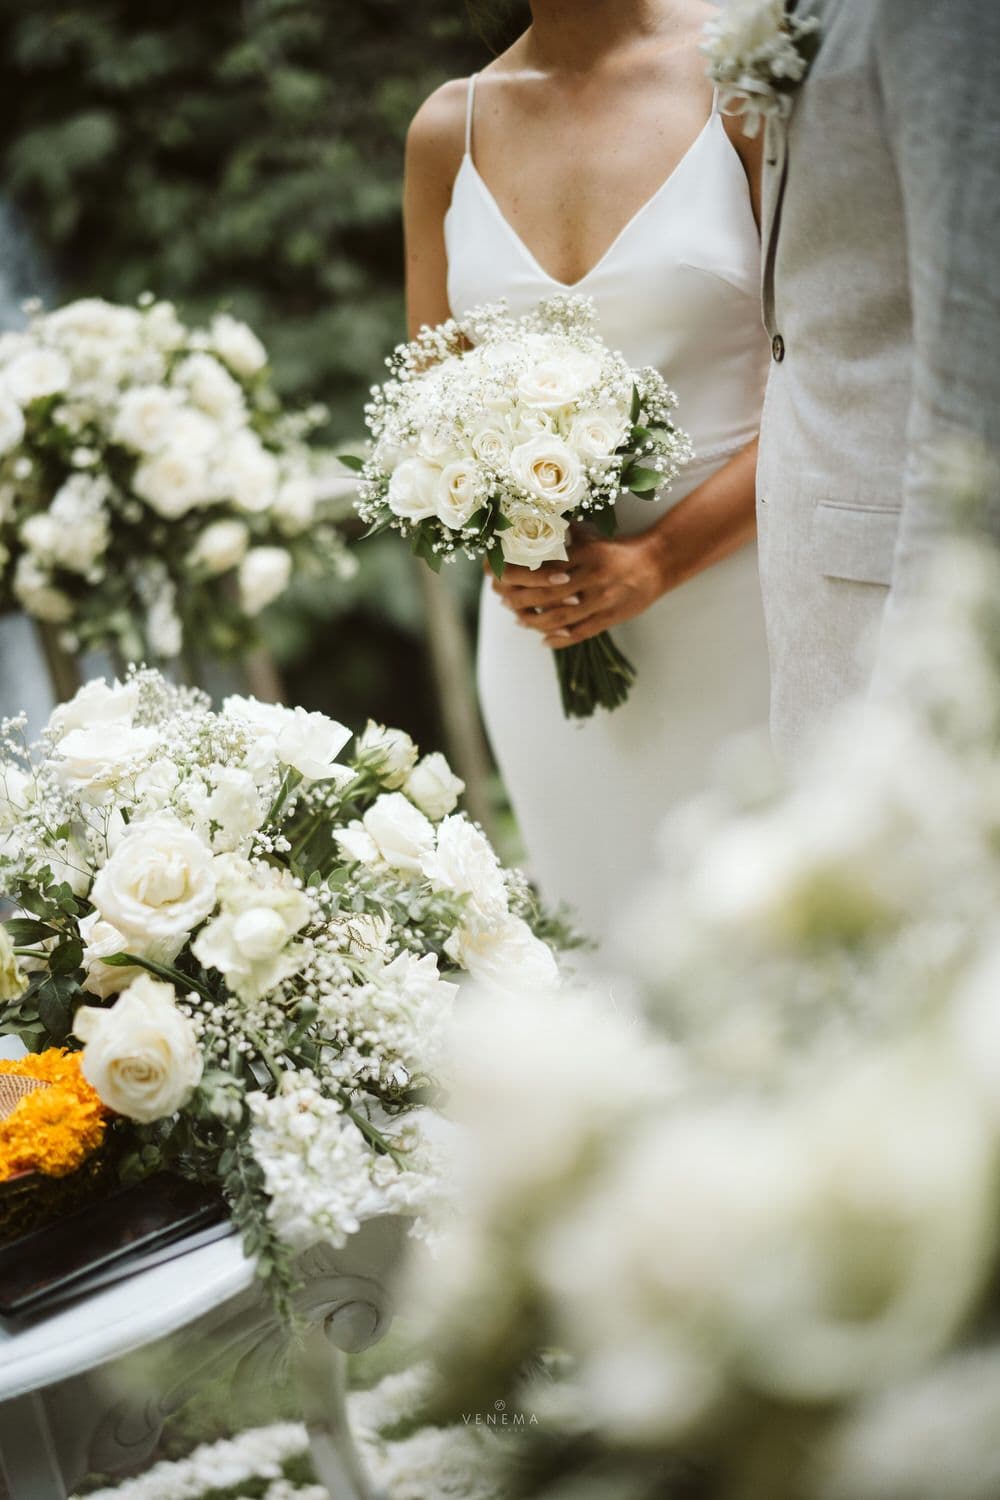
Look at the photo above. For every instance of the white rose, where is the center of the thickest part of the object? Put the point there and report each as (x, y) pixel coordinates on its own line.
(233, 807)
(11, 423)
(142, 1055)
(550, 471)
(35, 590)
(356, 845)
(465, 863)
(459, 493)
(507, 959)
(413, 489)
(246, 473)
(211, 387)
(532, 539)
(91, 760)
(220, 546)
(433, 786)
(403, 836)
(310, 744)
(557, 381)
(12, 981)
(172, 483)
(295, 503)
(36, 373)
(596, 435)
(238, 345)
(96, 703)
(193, 433)
(82, 527)
(264, 574)
(390, 753)
(250, 940)
(159, 884)
(491, 442)
(40, 534)
(101, 940)
(144, 418)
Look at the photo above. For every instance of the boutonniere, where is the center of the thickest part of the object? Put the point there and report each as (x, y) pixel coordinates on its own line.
(759, 52)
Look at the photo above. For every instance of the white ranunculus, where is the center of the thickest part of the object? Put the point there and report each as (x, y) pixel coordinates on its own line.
(238, 345)
(505, 959)
(145, 417)
(36, 373)
(172, 483)
(246, 474)
(101, 940)
(459, 493)
(413, 489)
(465, 862)
(11, 423)
(403, 836)
(92, 759)
(433, 786)
(390, 753)
(211, 387)
(142, 1055)
(264, 574)
(159, 884)
(558, 381)
(550, 471)
(310, 744)
(596, 435)
(533, 538)
(96, 703)
(220, 546)
(35, 590)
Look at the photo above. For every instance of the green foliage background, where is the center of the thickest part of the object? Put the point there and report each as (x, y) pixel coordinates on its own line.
(249, 152)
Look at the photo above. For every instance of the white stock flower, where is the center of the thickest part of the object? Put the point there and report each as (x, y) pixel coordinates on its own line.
(402, 835)
(464, 862)
(459, 493)
(533, 538)
(390, 753)
(36, 373)
(172, 483)
(220, 546)
(238, 345)
(264, 574)
(433, 786)
(413, 489)
(145, 417)
(159, 884)
(142, 1055)
(11, 423)
(250, 939)
(550, 470)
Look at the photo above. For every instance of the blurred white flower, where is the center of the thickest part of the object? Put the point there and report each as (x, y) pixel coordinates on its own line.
(264, 574)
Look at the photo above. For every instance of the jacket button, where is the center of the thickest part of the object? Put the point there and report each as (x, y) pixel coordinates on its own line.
(778, 348)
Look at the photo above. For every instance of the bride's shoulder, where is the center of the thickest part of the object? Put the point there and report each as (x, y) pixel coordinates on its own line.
(436, 137)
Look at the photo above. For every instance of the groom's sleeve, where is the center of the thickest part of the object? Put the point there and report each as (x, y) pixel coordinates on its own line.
(939, 68)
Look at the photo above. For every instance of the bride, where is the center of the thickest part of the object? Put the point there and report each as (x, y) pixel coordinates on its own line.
(591, 158)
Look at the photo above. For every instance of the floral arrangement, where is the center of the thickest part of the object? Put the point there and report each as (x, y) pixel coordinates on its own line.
(152, 489)
(769, 1257)
(53, 1119)
(495, 450)
(253, 942)
(759, 52)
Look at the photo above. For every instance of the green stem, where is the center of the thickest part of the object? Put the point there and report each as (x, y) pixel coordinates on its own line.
(374, 1135)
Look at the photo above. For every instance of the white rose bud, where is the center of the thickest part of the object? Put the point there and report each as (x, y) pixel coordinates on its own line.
(238, 345)
(264, 573)
(310, 744)
(434, 787)
(142, 1055)
(390, 753)
(102, 941)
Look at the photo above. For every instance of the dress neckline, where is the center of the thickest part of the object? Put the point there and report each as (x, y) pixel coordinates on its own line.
(623, 233)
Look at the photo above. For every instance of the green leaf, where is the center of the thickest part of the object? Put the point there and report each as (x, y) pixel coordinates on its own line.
(67, 957)
(351, 461)
(22, 930)
(642, 481)
(54, 1012)
(606, 521)
(636, 406)
(497, 561)
(501, 522)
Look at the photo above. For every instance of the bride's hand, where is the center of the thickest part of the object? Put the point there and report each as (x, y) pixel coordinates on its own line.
(605, 581)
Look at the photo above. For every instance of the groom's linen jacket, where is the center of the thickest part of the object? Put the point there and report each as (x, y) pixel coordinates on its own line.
(882, 300)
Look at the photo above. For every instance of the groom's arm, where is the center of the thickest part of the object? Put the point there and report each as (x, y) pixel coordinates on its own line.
(939, 67)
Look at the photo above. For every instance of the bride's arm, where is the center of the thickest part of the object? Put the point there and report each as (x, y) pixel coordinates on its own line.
(433, 156)
(608, 581)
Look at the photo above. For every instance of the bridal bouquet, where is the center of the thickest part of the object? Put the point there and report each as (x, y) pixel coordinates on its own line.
(496, 450)
(152, 488)
(253, 942)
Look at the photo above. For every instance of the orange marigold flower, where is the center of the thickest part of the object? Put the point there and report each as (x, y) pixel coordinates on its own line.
(55, 1128)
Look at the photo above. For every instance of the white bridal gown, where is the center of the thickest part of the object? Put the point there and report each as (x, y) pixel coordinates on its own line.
(678, 289)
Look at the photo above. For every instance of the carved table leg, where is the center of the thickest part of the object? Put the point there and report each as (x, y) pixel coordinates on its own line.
(27, 1453)
(321, 1371)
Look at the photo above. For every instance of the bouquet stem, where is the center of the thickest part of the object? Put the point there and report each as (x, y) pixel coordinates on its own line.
(593, 673)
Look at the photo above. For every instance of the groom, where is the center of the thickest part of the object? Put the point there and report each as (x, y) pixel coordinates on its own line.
(882, 301)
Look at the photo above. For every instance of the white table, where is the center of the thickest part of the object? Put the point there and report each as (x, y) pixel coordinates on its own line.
(89, 1388)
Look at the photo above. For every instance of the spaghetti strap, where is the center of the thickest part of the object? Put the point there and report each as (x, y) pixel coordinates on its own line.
(470, 101)
(715, 100)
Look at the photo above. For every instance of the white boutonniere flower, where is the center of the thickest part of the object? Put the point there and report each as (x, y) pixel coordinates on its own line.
(759, 52)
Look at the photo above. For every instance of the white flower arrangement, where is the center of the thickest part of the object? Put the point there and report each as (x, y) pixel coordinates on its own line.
(152, 488)
(769, 1245)
(495, 450)
(255, 943)
(759, 52)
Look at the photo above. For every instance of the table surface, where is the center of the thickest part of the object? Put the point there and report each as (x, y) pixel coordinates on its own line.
(122, 1318)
